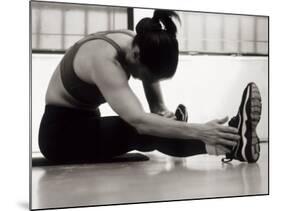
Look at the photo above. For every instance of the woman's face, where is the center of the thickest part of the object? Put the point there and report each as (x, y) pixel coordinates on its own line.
(136, 68)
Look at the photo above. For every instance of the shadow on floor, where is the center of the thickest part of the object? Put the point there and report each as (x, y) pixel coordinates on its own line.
(129, 157)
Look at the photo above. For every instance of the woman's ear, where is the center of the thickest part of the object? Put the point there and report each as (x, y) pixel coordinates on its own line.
(136, 53)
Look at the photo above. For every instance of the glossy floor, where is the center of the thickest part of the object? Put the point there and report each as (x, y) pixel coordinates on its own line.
(160, 178)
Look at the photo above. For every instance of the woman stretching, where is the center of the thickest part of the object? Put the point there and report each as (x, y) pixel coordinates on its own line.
(96, 70)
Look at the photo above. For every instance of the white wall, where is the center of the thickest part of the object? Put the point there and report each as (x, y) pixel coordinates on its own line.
(210, 87)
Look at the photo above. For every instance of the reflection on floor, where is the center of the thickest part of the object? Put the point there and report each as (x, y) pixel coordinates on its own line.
(160, 178)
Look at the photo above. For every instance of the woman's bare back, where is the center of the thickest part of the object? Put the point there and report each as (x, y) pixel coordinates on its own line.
(56, 92)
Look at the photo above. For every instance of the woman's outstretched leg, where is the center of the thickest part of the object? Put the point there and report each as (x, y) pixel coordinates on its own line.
(117, 137)
(172, 147)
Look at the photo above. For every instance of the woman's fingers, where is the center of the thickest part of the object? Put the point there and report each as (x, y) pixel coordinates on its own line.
(168, 114)
(227, 129)
(230, 136)
(227, 142)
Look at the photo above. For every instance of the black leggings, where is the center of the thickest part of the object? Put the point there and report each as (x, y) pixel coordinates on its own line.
(68, 135)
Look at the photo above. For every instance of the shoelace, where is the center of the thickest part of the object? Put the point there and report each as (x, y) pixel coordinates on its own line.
(226, 160)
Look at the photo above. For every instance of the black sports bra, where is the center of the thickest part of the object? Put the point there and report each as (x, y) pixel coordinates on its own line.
(85, 93)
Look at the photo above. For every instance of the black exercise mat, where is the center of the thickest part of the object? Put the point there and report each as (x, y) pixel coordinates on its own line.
(129, 157)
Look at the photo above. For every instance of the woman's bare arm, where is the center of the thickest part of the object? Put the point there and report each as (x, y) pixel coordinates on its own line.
(155, 99)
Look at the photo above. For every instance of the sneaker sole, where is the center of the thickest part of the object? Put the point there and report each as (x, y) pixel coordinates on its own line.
(251, 114)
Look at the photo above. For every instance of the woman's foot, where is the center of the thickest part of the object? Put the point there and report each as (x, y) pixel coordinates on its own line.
(181, 113)
(246, 121)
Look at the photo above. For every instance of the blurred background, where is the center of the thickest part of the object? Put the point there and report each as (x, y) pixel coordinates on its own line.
(219, 55)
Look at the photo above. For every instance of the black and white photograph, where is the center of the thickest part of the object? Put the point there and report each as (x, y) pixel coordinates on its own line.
(133, 105)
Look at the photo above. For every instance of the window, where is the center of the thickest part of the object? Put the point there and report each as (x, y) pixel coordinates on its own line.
(223, 34)
(56, 26)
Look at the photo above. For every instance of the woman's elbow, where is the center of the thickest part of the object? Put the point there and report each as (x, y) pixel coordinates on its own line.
(138, 123)
(141, 129)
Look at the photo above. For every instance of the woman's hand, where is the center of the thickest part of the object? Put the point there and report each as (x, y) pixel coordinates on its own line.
(214, 133)
(217, 149)
(167, 114)
(163, 111)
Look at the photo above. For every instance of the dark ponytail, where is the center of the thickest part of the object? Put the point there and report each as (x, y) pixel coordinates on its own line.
(165, 16)
(156, 38)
